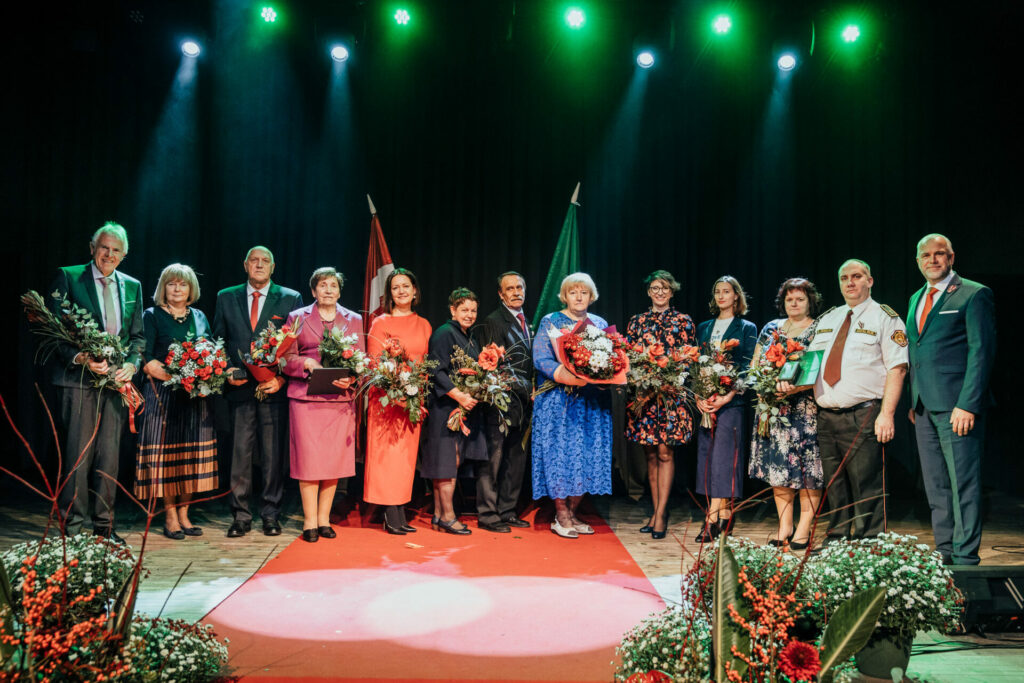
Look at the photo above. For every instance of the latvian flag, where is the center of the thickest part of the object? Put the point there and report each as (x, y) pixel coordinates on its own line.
(378, 267)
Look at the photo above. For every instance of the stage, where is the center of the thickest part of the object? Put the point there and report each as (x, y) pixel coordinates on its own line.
(431, 606)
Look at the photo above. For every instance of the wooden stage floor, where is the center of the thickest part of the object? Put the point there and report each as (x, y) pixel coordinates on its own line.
(217, 565)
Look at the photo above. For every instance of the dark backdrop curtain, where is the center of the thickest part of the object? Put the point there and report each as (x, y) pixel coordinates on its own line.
(471, 132)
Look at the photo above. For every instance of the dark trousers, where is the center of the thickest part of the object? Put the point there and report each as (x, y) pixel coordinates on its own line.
(500, 479)
(951, 469)
(259, 436)
(84, 461)
(851, 435)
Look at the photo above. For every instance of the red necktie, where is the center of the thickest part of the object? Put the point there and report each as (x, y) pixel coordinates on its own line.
(834, 364)
(927, 308)
(522, 323)
(254, 312)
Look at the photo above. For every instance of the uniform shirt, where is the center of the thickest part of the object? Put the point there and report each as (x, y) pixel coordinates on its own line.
(941, 286)
(115, 290)
(876, 343)
(249, 289)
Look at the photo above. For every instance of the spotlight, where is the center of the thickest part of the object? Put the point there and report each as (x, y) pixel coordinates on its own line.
(402, 17)
(575, 18)
(339, 53)
(190, 48)
(787, 62)
(269, 15)
(851, 33)
(645, 60)
(722, 24)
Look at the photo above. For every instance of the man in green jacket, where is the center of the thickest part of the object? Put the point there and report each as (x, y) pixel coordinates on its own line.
(952, 334)
(115, 302)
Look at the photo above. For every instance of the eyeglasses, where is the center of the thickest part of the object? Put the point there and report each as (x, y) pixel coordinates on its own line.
(658, 289)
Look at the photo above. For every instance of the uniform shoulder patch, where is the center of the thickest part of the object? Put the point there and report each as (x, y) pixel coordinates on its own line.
(900, 337)
(888, 311)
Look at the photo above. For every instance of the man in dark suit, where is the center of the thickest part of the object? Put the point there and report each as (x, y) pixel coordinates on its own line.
(259, 429)
(115, 301)
(951, 325)
(500, 479)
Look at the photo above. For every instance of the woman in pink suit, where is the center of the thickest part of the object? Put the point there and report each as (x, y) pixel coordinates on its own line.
(323, 426)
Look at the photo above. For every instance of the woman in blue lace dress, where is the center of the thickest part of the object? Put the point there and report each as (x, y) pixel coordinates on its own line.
(788, 458)
(666, 422)
(572, 424)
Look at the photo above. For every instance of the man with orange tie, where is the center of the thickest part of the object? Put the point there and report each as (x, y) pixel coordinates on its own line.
(952, 350)
(259, 429)
(864, 364)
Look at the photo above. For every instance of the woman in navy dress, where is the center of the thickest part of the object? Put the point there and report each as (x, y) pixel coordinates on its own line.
(788, 458)
(572, 424)
(667, 422)
(177, 455)
(721, 452)
(444, 450)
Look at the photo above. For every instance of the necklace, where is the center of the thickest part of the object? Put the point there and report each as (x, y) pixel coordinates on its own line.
(178, 318)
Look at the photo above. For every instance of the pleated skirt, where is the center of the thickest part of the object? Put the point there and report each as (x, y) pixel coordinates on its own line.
(177, 452)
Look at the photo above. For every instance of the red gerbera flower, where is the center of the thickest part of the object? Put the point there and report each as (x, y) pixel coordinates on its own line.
(800, 661)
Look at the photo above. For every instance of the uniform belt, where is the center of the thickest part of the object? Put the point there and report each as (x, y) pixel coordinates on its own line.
(866, 404)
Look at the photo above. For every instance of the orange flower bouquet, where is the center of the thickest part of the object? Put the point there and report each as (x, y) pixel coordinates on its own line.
(592, 354)
(655, 373)
(487, 378)
(771, 407)
(715, 374)
(402, 381)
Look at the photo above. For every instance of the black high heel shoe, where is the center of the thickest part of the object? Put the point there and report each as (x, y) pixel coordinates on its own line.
(797, 545)
(393, 530)
(709, 533)
(779, 542)
(658, 535)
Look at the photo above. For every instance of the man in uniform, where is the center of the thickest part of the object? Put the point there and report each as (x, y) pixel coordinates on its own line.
(115, 302)
(259, 429)
(500, 480)
(952, 350)
(863, 367)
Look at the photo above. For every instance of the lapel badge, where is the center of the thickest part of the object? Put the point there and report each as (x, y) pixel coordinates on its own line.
(860, 324)
(952, 288)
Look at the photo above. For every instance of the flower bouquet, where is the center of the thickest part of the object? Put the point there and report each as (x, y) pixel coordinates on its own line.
(266, 353)
(339, 350)
(655, 374)
(484, 378)
(763, 377)
(590, 353)
(403, 381)
(715, 374)
(197, 366)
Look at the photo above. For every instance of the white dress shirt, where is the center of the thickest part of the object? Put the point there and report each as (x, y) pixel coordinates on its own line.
(941, 286)
(876, 343)
(115, 290)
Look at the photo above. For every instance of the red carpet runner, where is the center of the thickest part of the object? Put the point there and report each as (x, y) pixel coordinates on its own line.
(525, 606)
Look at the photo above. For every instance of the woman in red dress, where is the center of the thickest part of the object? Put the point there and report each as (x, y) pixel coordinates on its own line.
(391, 441)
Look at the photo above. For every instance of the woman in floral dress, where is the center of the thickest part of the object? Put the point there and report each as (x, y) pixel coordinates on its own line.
(666, 422)
(788, 458)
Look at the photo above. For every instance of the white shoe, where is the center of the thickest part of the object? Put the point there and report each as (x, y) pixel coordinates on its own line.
(564, 532)
(583, 528)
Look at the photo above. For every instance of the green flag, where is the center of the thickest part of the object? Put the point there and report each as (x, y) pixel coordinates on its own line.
(566, 260)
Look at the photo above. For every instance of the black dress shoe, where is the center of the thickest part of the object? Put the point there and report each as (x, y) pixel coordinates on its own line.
(397, 531)
(271, 527)
(516, 522)
(496, 527)
(109, 534)
(646, 529)
(408, 529)
(310, 535)
(238, 529)
(449, 527)
(178, 535)
(709, 533)
(326, 532)
(192, 530)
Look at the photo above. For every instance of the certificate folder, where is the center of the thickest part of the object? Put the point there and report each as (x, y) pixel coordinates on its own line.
(320, 380)
(803, 371)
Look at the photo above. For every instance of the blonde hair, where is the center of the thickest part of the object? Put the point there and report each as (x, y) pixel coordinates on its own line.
(177, 272)
(572, 280)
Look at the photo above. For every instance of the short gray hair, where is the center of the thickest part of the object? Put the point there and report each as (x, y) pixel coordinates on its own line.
(177, 272)
(114, 229)
(934, 236)
(261, 248)
(849, 261)
(573, 279)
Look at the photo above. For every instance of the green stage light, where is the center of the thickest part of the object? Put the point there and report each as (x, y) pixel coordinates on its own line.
(575, 18)
(722, 24)
(269, 15)
(851, 33)
(402, 17)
